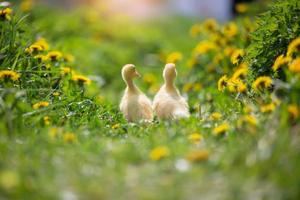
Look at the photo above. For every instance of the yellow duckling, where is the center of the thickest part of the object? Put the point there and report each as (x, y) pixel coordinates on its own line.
(134, 104)
(168, 103)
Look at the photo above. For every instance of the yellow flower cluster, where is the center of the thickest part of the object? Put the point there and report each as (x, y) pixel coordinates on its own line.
(40, 105)
(81, 79)
(295, 66)
(262, 82)
(215, 116)
(54, 55)
(294, 110)
(46, 120)
(290, 59)
(197, 156)
(230, 30)
(159, 152)
(210, 25)
(115, 126)
(235, 83)
(9, 74)
(40, 45)
(65, 70)
(293, 47)
(195, 30)
(5, 14)
(174, 57)
(26, 5)
(192, 86)
(267, 108)
(222, 83)
(69, 137)
(280, 60)
(241, 7)
(236, 55)
(204, 47)
(248, 119)
(221, 129)
(195, 138)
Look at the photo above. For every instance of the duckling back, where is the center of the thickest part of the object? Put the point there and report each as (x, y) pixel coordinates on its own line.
(170, 104)
(136, 106)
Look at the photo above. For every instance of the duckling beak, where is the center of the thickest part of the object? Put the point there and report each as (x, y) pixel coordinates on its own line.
(136, 73)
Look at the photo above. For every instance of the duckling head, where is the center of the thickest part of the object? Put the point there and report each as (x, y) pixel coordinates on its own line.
(129, 72)
(170, 73)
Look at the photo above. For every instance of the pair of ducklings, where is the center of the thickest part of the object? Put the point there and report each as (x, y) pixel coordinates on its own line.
(167, 103)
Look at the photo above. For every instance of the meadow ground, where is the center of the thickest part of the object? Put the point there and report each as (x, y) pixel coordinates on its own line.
(62, 135)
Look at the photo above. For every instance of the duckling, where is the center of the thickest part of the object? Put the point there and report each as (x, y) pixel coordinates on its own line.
(134, 104)
(168, 103)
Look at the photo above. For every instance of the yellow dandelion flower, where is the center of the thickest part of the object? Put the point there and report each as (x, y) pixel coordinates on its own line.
(295, 66)
(262, 82)
(241, 87)
(46, 120)
(249, 119)
(195, 138)
(159, 152)
(197, 156)
(197, 87)
(236, 56)
(26, 5)
(69, 58)
(221, 129)
(294, 46)
(54, 132)
(293, 109)
(280, 60)
(149, 78)
(69, 137)
(215, 116)
(210, 25)
(191, 62)
(241, 7)
(42, 42)
(231, 85)
(115, 126)
(240, 73)
(81, 79)
(204, 47)
(65, 70)
(174, 57)
(195, 30)
(243, 66)
(218, 39)
(40, 105)
(34, 48)
(41, 58)
(5, 14)
(54, 55)
(222, 82)
(267, 108)
(9, 74)
(230, 30)
(187, 87)
(228, 51)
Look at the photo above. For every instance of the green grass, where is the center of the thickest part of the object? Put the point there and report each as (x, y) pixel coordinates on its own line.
(109, 158)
